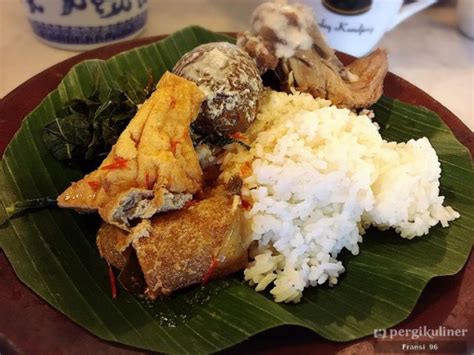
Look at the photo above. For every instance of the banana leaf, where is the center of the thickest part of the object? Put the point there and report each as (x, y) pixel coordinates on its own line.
(53, 251)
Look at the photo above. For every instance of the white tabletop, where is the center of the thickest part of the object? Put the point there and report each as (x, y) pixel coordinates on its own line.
(426, 50)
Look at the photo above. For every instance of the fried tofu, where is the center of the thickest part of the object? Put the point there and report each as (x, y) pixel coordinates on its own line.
(153, 166)
(205, 240)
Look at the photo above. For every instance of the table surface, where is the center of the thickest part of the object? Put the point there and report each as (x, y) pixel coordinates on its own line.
(427, 49)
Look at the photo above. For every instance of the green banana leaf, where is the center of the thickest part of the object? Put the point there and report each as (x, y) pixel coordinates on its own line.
(53, 251)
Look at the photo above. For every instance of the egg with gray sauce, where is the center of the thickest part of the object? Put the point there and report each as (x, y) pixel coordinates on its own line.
(231, 82)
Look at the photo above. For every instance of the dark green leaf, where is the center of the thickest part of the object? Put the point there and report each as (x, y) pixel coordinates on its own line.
(133, 90)
(68, 138)
(85, 128)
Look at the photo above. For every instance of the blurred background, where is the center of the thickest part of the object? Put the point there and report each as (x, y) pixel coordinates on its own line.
(427, 49)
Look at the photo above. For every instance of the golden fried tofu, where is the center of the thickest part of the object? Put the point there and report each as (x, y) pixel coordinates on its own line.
(205, 240)
(153, 166)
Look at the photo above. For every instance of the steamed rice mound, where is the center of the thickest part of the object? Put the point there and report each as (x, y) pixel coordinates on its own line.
(316, 177)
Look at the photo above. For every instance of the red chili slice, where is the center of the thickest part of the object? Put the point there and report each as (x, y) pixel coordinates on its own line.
(246, 205)
(113, 283)
(238, 136)
(189, 203)
(174, 145)
(94, 184)
(210, 271)
(118, 163)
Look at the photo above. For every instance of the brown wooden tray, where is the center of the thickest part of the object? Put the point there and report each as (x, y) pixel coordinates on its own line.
(29, 325)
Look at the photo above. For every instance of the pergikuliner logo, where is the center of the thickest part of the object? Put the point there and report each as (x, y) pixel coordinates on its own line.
(422, 331)
(380, 333)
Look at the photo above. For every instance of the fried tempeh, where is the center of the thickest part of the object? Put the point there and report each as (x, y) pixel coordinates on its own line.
(177, 249)
(153, 166)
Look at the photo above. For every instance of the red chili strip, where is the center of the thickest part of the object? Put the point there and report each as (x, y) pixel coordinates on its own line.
(246, 205)
(189, 203)
(174, 145)
(113, 283)
(185, 134)
(148, 182)
(94, 184)
(118, 163)
(210, 272)
(238, 136)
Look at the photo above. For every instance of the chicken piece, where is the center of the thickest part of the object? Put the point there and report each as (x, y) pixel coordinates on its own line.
(286, 38)
(308, 72)
(153, 167)
(206, 240)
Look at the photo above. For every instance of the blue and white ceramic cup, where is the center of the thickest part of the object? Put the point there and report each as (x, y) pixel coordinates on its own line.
(85, 24)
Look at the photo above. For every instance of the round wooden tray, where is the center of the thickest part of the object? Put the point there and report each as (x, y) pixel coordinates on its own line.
(29, 325)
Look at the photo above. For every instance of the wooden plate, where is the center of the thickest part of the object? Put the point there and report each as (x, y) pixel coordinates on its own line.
(29, 325)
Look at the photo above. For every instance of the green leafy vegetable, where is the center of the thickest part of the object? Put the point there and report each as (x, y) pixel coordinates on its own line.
(87, 127)
(379, 289)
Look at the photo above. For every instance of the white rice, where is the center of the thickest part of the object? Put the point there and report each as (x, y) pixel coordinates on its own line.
(316, 176)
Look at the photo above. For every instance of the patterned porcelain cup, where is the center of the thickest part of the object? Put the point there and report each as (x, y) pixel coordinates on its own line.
(85, 24)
